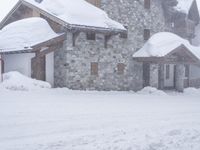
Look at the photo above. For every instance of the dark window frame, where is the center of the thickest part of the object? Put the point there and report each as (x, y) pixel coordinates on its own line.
(91, 36)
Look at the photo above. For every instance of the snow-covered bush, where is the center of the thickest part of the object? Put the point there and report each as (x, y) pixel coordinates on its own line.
(151, 90)
(192, 91)
(18, 82)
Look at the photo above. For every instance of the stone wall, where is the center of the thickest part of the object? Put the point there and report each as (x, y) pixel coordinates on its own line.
(73, 63)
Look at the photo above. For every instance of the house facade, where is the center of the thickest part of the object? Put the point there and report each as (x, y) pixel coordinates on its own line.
(92, 58)
(92, 65)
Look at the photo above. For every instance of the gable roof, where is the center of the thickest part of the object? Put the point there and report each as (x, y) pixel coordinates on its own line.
(163, 43)
(24, 34)
(72, 14)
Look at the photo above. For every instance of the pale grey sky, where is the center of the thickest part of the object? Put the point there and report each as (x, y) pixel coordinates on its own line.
(5, 6)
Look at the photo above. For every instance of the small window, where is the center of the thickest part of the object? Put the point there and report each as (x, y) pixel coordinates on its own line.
(94, 68)
(146, 34)
(147, 4)
(120, 68)
(124, 35)
(91, 36)
(167, 71)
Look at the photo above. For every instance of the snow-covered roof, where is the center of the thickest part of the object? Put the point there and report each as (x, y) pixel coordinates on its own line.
(77, 12)
(24, 34)
(161, 44)
(184, 5)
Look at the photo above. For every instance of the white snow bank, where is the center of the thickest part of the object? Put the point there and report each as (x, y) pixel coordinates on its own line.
(25, 33)
(151, 90)
(192, 91)
(161, 44)
(184, 5)
(77, 12)
(17, 82)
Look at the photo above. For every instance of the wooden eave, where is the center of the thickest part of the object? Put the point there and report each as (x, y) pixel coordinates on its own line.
(38, 47)
(71, 27)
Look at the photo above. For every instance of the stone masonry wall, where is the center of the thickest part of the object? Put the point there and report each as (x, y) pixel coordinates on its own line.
(73, 64)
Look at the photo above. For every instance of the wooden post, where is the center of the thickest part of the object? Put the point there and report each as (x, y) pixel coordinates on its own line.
(179, 76)
(146, 74)
(1, 69)
(161, 77)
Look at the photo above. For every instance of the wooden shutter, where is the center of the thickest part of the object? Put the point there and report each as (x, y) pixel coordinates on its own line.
(120, 68)
(147, 4)
(94, 68)
(146, 34)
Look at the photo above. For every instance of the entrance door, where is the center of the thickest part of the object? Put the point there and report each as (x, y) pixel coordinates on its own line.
(169, 80)
(38, 67)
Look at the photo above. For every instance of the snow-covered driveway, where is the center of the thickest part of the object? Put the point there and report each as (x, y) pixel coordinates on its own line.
(60, 119)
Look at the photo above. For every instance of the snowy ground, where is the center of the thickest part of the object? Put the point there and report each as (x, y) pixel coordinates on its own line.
(59, 119)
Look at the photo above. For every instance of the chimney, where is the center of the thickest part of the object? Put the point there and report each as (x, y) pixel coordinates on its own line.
(38, 1)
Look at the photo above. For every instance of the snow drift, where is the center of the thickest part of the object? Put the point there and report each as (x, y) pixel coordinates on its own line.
(17, 82)
(151, 91)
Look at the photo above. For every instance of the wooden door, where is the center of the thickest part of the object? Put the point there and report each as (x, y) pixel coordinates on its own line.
(38, 68)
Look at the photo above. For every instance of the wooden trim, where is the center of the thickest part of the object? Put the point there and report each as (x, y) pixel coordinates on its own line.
(52, 41)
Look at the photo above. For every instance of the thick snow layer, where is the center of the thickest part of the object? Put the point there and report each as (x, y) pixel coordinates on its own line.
(18, 82)
(23, 34)
(184, 5)
(161, 44)
(60, 119)
(78, 12)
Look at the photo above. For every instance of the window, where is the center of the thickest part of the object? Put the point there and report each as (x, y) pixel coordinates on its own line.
(94, 68)
(91, 36)
(147, 4)
(167, 71)
(124, 35)
(120, 68)
(146, 34)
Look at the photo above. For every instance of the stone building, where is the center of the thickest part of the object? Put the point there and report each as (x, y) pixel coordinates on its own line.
(93, 58)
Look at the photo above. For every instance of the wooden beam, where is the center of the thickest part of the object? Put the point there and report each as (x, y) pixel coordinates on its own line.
(53, 41)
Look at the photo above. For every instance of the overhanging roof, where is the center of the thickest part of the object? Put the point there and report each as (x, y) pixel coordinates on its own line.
(63, 22)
